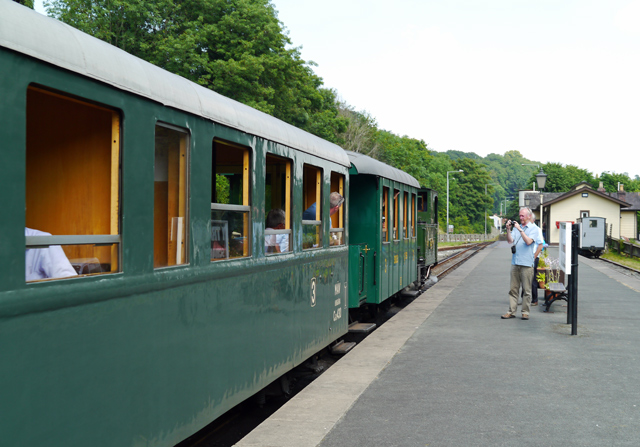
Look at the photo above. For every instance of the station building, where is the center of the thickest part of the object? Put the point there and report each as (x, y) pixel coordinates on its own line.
(620, 209)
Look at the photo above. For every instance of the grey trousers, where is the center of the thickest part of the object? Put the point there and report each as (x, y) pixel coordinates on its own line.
(520, 276)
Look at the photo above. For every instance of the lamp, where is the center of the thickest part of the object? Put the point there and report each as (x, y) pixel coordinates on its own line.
(541, 178)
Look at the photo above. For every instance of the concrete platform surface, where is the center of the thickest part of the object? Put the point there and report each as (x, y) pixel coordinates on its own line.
(447, 371)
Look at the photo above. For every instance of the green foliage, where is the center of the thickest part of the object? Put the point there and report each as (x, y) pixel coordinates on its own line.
(561, 178)
(468, 199)
(611, 180)
(240, 49)
(360, 132)
(407, 154)
(236, 47)
(223, 189)
(27, 3)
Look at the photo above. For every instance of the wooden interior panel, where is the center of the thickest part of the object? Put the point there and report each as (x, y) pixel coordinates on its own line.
(396, 201)
(279, 171)
(72, 171)
(160, 224)
(413, 215)
(385, 214)
(337, 185)
(313, 189)
(405, 205)
(170, 197)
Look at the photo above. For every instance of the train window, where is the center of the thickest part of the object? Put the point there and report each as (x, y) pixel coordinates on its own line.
(385, 214)
(312, 204)
(405, 211)
(278, 201)
(230, 201)
(413, 215)
(72, 187)
(170, 197)
(396, 201)
(336, 202)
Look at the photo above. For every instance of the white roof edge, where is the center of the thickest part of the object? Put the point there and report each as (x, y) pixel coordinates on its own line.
(28, 32)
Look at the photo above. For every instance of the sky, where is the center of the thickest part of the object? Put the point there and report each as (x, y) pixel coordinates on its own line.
(556, 80)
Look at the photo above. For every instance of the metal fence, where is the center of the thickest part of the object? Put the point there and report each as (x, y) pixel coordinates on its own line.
(622, 246)
(466, 237)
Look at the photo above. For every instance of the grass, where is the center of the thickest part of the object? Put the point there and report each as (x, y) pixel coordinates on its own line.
(634, 263)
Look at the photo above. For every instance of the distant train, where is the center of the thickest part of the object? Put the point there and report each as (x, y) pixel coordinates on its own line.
(170, 303)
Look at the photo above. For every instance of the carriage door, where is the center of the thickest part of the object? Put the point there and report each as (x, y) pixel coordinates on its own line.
(358, 277)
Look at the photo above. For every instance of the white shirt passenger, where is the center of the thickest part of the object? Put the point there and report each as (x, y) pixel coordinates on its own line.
(41, 263)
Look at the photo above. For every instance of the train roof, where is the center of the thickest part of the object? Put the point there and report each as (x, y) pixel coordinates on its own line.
(28, 32)
(367, 165)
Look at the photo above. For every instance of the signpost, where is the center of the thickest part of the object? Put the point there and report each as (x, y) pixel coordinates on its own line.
(568, 253)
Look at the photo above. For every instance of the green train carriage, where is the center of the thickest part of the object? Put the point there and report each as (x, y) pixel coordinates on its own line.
(157, 191)
(427, 231)
(382, 230)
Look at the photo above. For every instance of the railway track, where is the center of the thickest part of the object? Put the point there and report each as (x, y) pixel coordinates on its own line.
(450, 263)
(621, 268)
(228, 429)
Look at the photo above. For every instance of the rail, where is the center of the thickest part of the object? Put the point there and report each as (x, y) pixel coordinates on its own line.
(450, 263)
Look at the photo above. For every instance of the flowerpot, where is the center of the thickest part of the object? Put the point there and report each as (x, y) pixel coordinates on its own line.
(540, 284)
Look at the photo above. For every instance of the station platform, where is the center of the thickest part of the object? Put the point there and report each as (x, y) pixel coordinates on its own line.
(447, 371)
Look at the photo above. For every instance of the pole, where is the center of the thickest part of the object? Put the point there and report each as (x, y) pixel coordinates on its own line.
(485, 215)
(459, 170)
(447, 229)
(573, 292)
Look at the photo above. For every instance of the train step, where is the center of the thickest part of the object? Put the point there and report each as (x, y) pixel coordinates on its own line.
(342, 347)
(411, 293)
(361, 328)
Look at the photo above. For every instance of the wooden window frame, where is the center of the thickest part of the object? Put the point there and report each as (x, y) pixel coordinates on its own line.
(318, 201)
(37, 97)
(180, 249)
(244, 208)
(287, 205)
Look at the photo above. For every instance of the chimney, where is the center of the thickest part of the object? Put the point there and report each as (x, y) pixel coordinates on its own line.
(601, 187)
(621, 194)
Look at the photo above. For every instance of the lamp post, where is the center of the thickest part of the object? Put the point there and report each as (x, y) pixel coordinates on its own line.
(485, 215)
(459, 170)
(541, 180)
(485, 212)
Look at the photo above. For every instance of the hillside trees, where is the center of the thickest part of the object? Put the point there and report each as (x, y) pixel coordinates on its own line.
(561, 178)
(469, 200)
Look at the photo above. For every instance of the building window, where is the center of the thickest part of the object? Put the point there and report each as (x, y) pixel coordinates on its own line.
(277, 201)
(337, 206)
(312, 205)
(230, 201)
(72, 187)
(170, 197)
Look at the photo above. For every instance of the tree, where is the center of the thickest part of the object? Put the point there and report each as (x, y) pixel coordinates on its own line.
(27, 3)
(236, 47)
(469, 199)
(360, 132)
(610, 182)
(561, 178)
(407, 154)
